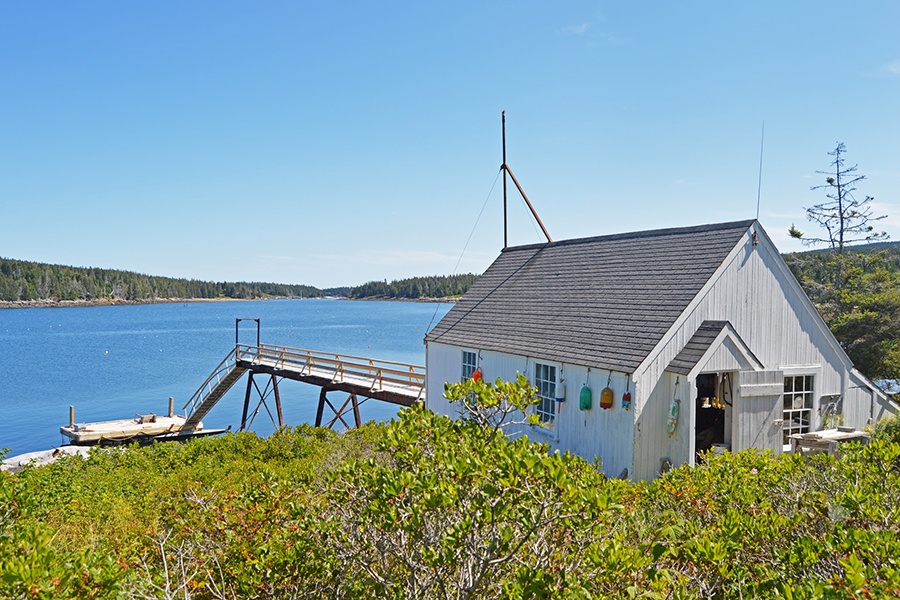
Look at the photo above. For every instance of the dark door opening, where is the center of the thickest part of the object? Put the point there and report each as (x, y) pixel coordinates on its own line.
(713, 396)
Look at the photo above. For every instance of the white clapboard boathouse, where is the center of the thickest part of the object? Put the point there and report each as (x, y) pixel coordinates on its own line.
(649, 347)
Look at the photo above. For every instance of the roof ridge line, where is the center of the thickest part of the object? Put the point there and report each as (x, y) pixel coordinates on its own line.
(637, 235)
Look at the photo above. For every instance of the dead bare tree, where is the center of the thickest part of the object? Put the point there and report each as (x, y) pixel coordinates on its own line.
(845, 219)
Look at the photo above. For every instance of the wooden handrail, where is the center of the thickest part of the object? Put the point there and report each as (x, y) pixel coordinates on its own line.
(345, 357)
(341, 366)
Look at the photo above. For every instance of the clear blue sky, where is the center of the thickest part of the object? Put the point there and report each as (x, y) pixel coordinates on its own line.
(332, 143)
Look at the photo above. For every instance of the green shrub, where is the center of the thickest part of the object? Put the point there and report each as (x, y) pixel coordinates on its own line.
(427, 507)
(888, 429)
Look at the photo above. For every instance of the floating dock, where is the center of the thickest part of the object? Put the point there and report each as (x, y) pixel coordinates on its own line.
(141, 429)
(88, 434)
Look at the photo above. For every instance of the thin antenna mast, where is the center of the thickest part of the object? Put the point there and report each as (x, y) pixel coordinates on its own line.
(762, 139)
(503, 166)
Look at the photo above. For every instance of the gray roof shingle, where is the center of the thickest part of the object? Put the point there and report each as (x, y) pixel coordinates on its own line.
(696, 347)
(602, 302)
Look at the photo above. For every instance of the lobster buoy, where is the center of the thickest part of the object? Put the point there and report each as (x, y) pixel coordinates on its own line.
(672, 422)
(477, 375)
(584, 399)
(626, 400)
(561, 392)
(606, 398)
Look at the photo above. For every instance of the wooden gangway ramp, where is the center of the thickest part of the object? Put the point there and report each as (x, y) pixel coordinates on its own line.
(368, 378)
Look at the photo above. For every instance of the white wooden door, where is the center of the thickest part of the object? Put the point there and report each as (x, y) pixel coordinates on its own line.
(758, 408)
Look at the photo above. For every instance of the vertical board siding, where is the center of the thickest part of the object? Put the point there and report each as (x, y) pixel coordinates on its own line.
(605, 435)
(602, 434)
(761, 303)
(726, 357)
(445, 365)
(652, 443)
(757, 416)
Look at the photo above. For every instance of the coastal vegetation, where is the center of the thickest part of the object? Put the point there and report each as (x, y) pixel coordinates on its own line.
(858, 295)
(437, 286)
(31, 282)
(426, 507)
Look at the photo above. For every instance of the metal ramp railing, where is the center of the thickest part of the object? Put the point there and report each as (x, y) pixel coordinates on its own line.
(216, 385)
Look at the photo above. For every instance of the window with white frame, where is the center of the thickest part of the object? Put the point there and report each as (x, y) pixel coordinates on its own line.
(469, 364)
(798, 403)
(545, 382)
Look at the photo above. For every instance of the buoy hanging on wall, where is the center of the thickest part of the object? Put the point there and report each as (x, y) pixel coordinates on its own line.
(584, 399)
(673, 417)
(477, 375)
(606, 395)
(561, 392)
(672, 422)
(626, 397)
(606, 398)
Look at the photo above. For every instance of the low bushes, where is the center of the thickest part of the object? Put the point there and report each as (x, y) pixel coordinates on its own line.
(425, 507)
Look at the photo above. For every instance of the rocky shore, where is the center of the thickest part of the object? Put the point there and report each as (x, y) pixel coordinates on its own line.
(51, 303)
(15, 464)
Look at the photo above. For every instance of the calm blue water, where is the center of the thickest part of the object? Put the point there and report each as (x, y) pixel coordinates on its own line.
(113, 362)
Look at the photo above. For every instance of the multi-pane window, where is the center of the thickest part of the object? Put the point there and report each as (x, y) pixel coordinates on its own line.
(798, 402)
(545, 382)
(469, 364)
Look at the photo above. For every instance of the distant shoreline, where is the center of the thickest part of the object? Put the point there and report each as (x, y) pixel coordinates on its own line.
(118, 302)
(447, 300)
(115, 302)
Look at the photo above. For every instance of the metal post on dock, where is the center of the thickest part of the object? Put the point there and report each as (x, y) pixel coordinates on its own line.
(171, 407)
(237, 323)
(72, 417)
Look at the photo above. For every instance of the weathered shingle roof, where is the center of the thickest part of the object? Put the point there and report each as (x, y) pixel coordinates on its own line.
(602, 302)
(696, 347)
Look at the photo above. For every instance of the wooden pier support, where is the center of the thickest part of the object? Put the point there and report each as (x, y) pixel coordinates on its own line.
(263, 394)
(246, 401)
(339, 413)
(277, 402)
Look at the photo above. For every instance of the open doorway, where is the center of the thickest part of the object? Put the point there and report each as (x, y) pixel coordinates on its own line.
(713, 403)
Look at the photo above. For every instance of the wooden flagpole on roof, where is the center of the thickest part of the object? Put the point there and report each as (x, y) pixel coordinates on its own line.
(506, 170)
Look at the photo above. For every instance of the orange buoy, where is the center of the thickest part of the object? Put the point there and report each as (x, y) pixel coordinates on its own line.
(477, 375)
(606, 398)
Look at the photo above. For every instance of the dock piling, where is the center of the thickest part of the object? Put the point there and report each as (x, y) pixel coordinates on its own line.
(171, 406)
(72, 417)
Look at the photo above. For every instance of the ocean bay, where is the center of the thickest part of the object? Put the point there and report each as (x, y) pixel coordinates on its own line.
(114, 362)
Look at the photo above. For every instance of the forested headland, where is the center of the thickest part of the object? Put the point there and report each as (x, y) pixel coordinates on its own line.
(32, 282)
(24, 281)
(436, 286)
